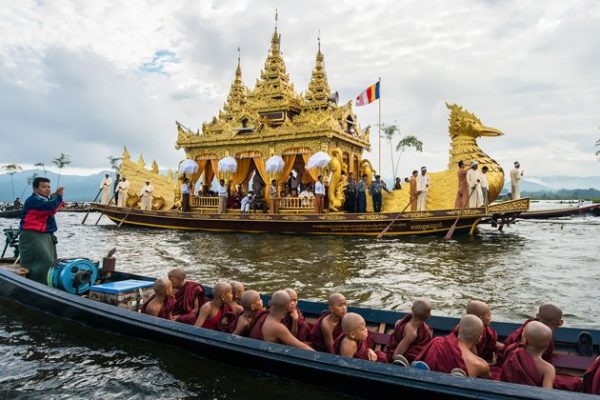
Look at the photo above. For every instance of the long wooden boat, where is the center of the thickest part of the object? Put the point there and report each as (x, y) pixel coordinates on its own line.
(355, 224)
(593, 209)
(352, 376)
(11, 213)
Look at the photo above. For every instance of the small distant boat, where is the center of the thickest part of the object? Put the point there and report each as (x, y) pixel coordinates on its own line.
(358, 378)
(11, 212)
(593, 209)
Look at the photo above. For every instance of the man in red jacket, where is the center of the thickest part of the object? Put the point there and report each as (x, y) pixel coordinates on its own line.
(37, 242)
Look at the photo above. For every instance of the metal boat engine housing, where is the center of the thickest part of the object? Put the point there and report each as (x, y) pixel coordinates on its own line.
(74, 275)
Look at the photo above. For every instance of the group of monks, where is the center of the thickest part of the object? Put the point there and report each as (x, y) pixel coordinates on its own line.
(471, 349)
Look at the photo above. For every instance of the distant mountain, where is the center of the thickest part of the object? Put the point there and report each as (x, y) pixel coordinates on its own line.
(77, 187)
(555, 183)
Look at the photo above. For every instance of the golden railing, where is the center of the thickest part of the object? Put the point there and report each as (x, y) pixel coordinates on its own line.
(294, 203)
(205, 202)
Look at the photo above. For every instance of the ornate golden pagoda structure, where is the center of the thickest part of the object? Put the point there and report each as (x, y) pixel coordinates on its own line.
(274, 119)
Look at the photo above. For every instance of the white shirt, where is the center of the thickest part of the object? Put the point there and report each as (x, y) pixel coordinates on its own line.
(484, 181)
(246, 200)
(319, 188)
(185, 189)
(222, 191)
(123, 186)
(147, 190)
(423, 183)
(106, 182)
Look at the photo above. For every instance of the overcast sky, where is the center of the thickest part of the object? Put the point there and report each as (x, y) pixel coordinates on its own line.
(86, 78)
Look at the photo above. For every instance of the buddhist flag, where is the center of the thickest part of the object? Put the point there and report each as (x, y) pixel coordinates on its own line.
(368, 96)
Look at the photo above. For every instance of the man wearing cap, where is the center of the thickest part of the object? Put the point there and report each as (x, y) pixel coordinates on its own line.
(515, 181)
(474, 183)
(122, 188)
(105, 186)
(146, 195)
(423, 186)
(375, 189)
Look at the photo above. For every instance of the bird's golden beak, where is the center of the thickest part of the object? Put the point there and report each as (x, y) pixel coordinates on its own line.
(488, 131)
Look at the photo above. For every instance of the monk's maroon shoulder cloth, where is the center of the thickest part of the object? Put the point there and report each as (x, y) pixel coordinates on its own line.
(362, 350)
(591, 378)
(216, 323)
(185, 300)
(257, 325)
(515, 337)
(443, 354)
(423, 338)
(304, 327)
(316, 335)
(166, 310)
(520, 368)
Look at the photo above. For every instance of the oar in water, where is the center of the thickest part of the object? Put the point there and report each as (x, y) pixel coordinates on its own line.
(450, 232)
(387, 228)
(102, 212)
(130, 210)
(88, 212)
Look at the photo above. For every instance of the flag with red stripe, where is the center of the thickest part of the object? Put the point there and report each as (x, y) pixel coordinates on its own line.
(368, 96)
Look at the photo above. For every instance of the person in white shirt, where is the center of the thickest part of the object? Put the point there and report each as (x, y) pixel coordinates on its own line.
(105, 186)
(319, 195)
(185, 195)
(305, 196)
(474, 184)
(423, 186)
(146, 195)
(515, 181)
(245, 203)
(222, 193)
(485, 186)
(122, 188)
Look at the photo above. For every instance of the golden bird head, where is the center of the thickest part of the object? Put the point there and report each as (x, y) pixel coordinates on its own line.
(464, 123)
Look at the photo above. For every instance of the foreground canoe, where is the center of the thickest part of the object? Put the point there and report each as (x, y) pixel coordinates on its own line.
(355, 377)
(593, 209)
(359, 224)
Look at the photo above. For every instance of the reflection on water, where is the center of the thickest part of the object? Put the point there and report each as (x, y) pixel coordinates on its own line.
(514, 271)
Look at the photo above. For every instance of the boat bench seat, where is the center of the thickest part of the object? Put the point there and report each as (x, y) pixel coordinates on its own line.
(569, 361)
(380, 338)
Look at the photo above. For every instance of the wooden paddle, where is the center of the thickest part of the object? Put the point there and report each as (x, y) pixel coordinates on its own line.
(387, 228)
(102, 212)
(450, 232)
(130, 210)
(88, 212)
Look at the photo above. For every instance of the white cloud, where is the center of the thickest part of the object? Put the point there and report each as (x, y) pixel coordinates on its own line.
(88, 78)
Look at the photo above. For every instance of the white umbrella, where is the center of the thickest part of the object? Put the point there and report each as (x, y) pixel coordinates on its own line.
(274, 164)
(318, 160)
(188, 167)
(227, 164)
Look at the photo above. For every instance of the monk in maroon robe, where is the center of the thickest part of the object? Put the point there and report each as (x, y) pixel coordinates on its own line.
(444, 354)
(488, 343)
(462, 195)
(189, 297)
(591, 378)
(550, 315)
(252, 304)
(524, 363)
(268, 327)
(295, 321)
(353, 342)
(212, 312)
(161, 303)
(411, 333)
(329, 325)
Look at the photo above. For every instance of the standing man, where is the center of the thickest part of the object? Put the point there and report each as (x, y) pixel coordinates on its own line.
(413, 190)
(222, 193)
(185, 195)
(319, 195)
(485, 186)
(122, 188)
(375, 189)
(515, 181)
(361, 195)
(423, 185)
(116, 188)
(146, 195)
(274, 197)
(474, 183)
(462, 195)
(106, 186)
(37, 242)
(350, 202)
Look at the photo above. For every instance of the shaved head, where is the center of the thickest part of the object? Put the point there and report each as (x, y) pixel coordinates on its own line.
(220, 289)
(162, 286)
(280, 300)
(236, 286)
(421, 308)
(470, 329)
(178, 273)
(352, 322)
(537, 336)
(550, 314)
(249, 298)
(291, 292)
(335, 298)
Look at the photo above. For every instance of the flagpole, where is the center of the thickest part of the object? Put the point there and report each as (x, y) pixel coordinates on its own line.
(379, 126)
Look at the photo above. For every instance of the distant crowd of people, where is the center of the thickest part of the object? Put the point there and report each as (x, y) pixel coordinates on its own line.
(471, 349)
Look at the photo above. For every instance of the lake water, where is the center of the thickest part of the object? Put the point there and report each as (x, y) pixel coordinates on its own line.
(514, 271)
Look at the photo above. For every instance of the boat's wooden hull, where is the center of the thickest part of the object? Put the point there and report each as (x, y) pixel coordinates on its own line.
(593, 209)
(368, 224)
(15, 213)
(356, 377)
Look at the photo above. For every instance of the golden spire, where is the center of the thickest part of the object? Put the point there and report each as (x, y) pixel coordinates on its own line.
(274, 83)
(318, 88)
(237, 92)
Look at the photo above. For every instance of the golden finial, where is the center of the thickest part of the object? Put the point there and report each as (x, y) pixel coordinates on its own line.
(239, 55)
(319, 39)
(276, 17)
